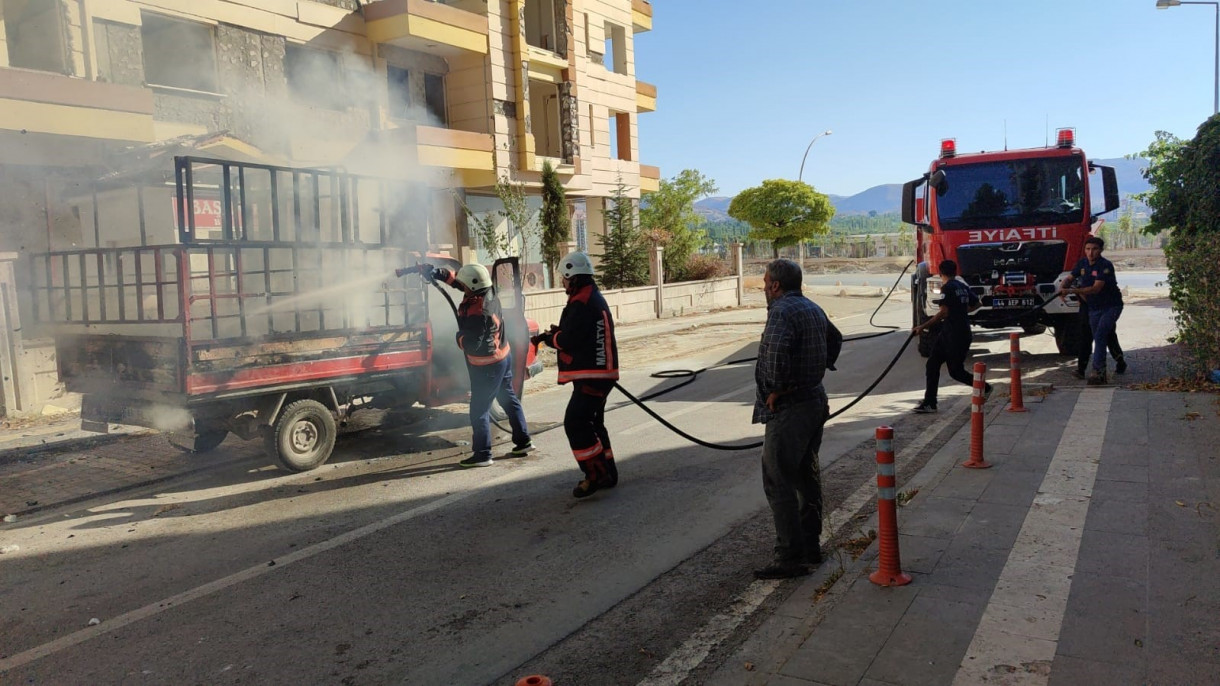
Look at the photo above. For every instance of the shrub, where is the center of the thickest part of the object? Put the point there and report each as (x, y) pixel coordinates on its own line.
(701, 267)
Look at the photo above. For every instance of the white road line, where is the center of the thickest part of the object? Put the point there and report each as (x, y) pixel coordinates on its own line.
(679, 664)
(1018, 635)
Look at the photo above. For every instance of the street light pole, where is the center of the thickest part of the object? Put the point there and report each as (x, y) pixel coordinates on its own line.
(1166, 4)
(801, 173)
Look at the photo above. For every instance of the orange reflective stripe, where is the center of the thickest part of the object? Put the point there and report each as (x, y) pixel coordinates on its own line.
(587, 453)
(577, 374)
(483, 361)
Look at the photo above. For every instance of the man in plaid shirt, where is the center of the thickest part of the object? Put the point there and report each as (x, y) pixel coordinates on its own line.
(792, 403)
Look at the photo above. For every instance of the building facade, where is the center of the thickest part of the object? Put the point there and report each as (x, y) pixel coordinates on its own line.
(451, 96)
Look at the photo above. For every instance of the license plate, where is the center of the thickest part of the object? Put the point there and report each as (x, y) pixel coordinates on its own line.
(1012, 302)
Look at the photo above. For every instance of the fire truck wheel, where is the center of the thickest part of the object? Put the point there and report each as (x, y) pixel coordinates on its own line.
(203, 442)
(303, 436)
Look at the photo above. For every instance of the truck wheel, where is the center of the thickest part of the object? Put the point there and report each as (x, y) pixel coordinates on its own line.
(303, 436)
(1033, 328)
(203, 442)
(926, 339)
(1067, 336)
(919, 295)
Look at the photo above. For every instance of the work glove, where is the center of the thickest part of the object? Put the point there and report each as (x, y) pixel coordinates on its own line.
(547, 336)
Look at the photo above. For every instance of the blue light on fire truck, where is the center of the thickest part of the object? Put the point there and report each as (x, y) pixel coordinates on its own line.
(1065, 138)
(948, 147)
(1015, 278)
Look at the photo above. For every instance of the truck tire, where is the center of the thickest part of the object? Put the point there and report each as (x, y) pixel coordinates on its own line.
(303, 436)
(1067, 335)
(1033, 328)
(203, 442)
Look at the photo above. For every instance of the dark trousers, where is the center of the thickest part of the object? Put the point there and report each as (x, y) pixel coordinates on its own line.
(489, 383)
(791, 477)
(1086, 342)
(1103, 320)
(585, 425)
(951, 353)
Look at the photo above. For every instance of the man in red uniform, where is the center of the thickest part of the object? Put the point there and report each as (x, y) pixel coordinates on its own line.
(588, 358)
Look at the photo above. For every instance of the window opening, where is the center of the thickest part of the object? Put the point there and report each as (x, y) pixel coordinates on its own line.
(179, 54)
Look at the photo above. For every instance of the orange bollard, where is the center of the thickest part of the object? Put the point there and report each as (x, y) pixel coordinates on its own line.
(1014, 364)
(889, 568)
(976, 460)
(535, 680)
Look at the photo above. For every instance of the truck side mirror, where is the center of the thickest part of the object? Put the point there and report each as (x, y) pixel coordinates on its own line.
(937, 180)
(912, 211)
(1109, 184)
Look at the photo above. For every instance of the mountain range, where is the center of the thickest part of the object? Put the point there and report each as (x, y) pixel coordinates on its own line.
(888, 197)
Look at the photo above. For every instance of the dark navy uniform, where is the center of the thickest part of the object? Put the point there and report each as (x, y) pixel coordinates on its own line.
(952, 344)
(1085, 336)
(1104, 306)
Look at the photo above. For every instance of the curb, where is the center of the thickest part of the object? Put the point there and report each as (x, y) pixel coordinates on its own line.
(16, 454)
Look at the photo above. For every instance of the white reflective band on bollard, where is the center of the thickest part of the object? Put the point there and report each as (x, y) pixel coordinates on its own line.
(885, 445)
(886, 493)
(885, 469)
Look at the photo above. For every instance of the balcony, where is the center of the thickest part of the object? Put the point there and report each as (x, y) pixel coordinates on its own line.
(650, 178)
(51, 104)
(641, 16)
(645, 97)
(470, 154)
(428, 27)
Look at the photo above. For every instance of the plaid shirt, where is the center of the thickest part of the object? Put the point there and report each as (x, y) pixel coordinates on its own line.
(792, 354)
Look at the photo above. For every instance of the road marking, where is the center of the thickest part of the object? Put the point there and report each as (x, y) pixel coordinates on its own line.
(1021, 624)
(679, 664)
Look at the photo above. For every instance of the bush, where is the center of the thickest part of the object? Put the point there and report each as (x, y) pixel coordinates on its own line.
(702, 267)
(1195, 290)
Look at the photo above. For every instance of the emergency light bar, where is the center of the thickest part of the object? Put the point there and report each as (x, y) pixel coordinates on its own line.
(1065, 138)
(948, 147)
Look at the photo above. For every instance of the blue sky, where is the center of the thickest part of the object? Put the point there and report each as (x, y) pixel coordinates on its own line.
(743, 87)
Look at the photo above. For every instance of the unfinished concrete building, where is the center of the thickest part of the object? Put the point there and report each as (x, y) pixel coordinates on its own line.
(448, 96)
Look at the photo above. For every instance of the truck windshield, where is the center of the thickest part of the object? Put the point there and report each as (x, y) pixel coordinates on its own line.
(994, 195)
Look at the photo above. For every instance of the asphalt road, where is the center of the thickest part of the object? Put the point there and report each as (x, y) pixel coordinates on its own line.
(390, 565)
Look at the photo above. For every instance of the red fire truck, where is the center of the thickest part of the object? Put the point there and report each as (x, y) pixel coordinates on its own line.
(227, 297)
(1015, 222)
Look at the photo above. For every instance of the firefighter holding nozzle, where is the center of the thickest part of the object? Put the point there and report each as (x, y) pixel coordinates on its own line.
(488, 359)
(588, 358)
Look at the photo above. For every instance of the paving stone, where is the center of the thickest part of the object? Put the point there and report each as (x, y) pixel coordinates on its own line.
(1186, 626)
(1121, 491)
(1118, 517)
(927, 646)
(1074, 671)
(936, 517)
(1170, 670)
(1105, 554)
(1108, 471)
(1010, 487)
(970, 566)
(781, 680)
(1106, 619)
(990, 525)
(920, 553)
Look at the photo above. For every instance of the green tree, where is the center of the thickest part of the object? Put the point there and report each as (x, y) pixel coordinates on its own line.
(556, 225)
(668, 215)
(624, 258)
(783, 212)
(1185, 198)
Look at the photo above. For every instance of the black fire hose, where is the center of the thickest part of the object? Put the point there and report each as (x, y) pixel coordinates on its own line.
(693, 374)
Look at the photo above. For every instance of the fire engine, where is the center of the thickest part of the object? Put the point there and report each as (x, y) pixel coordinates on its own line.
(1015, 222)
(259, 300)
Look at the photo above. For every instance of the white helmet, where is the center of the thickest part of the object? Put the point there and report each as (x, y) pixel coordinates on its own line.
(474, 277)
(575, 263)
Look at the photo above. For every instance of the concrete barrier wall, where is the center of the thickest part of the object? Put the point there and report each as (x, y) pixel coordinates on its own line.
(640, 304)
(699, 296)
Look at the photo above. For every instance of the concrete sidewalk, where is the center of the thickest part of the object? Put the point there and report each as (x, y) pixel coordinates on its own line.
(1088, 554)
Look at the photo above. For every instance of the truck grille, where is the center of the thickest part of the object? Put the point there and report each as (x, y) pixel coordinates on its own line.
(1043, 259)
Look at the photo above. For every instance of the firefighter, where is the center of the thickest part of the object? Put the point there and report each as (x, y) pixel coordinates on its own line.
(488, 360)
(588, 358)
(1098, 286)
(952, 345)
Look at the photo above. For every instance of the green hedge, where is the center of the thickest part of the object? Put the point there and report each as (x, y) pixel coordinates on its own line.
(1194, 287)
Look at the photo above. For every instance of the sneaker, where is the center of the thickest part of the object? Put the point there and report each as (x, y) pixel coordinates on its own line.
(476, 461)
(1121, 366)
(1097, 379)
(585, 488)
(925, 407)
(522, 450)
(787, 570)
(1078, 373)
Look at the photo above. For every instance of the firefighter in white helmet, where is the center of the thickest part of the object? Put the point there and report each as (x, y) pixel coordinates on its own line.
(488, 360)
(588, 358)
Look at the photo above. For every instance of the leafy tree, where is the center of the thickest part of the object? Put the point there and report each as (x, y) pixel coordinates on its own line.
(556, 228)
(783, 212)
(514, 208)
(1185, 197)
(670, 218)
(624, 258)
